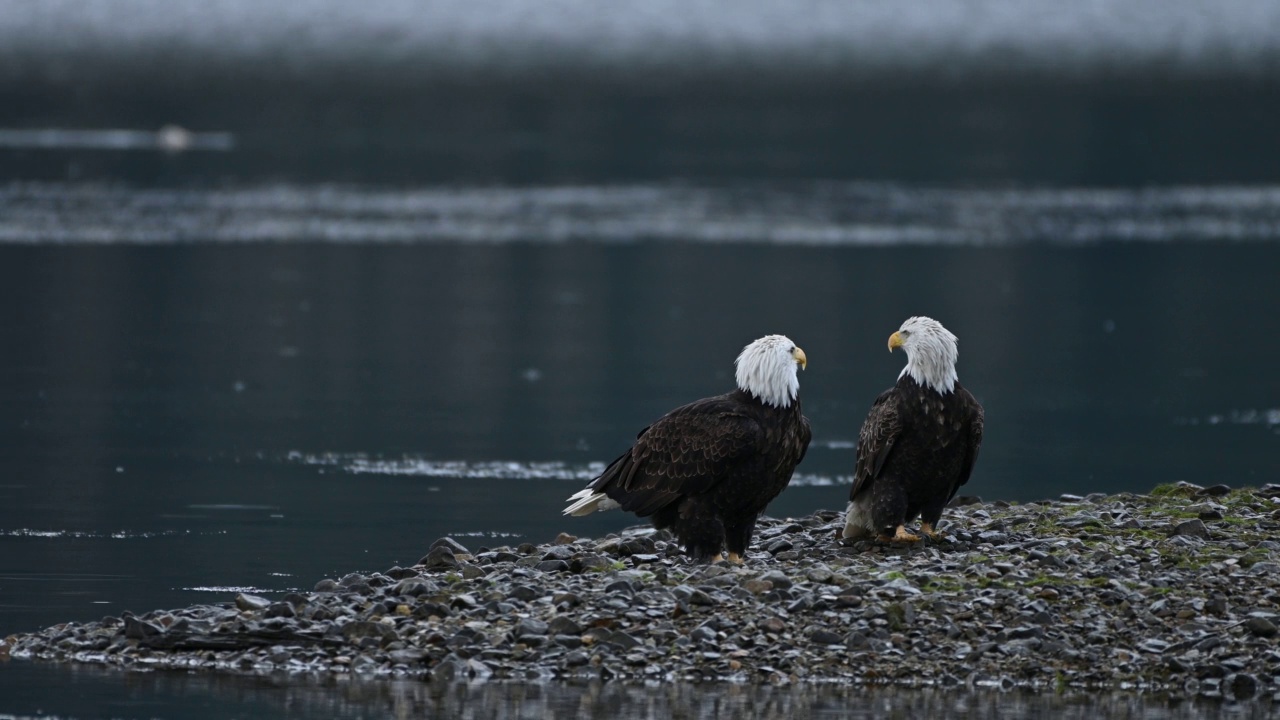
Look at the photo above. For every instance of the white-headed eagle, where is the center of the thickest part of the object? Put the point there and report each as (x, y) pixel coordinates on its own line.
(919, 442)
(707, 470)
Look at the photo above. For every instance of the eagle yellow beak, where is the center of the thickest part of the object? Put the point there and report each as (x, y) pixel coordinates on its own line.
(798, 354)
(895, 341)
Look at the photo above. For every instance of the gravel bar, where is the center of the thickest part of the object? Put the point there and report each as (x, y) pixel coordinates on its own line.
(1176, 591)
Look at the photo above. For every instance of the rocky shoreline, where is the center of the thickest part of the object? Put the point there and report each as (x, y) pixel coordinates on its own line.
(1176, 591)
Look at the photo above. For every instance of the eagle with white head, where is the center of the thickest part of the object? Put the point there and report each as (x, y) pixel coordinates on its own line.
(919, 442)
(708, 469)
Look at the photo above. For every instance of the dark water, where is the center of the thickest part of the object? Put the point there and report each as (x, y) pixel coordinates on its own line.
(182, 421)
(92, 692)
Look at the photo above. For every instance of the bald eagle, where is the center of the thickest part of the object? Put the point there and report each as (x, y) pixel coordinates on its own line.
(919, 442)
(707, 470)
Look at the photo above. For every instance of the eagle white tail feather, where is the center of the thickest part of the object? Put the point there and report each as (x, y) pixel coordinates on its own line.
(858, 523)
(585, 502)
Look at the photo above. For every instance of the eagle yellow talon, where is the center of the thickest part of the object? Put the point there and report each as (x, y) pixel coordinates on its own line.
(927, 529)
(735, 558)
(716, 558)
(901, 535)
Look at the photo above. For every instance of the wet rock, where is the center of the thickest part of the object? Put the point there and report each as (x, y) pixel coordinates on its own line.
(413, 587)
(280, 610)
(454, 546)
(1261, 627)
(1025, 595)
(248, 602)
(588, 562)
(1192, 528)
(137, 629)
(622, 640)
(692, 595)
(777, 578)
(825, 637)
(1240, 687)
(1214, 491)
(778, 546)
(552, 566)
(530, 626)
(440, 557)
(382, 632)
(558, 552)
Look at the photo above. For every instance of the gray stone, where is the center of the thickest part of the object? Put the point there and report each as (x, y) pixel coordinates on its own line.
(692, 595)
(250, 603)
(413, 587)
(623, 640)
(455, 547)
(381, 632)
(825, 637)
(778, 578)
(778, 546)
(1192, 528)
(1240, 687)
(1261, 627)
(562, 625)
(531, 626)
(1214, 491)
(280, 610)
(137, 629)
(558, 552)
(441, 557)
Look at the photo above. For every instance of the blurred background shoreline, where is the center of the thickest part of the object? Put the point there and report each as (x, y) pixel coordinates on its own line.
(399, 93)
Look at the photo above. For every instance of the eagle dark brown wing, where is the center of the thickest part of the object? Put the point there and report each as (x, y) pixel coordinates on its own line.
(875, 440)
(974, 439)
(686, 452)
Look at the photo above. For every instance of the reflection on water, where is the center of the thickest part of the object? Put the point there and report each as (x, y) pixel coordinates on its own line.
(163, 694)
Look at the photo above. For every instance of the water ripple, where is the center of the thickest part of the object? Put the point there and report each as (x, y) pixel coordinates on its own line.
(813, 214)
(357, 463)
(99, 535)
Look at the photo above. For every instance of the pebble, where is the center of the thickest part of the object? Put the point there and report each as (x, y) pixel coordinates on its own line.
(1078, 592)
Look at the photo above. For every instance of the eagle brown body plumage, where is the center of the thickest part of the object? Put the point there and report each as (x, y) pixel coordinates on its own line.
(919, 442)
(707, 470)
(916, 448)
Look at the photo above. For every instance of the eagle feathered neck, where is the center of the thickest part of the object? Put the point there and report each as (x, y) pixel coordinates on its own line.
(767, 371)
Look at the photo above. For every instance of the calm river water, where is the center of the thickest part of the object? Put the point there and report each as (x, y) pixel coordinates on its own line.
(189, 418)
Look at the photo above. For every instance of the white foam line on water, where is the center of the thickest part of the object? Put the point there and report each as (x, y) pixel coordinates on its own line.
(814, 214)
(237, 589)
(496, 469)
(1268, 418)
(93, 535)
(171, 139)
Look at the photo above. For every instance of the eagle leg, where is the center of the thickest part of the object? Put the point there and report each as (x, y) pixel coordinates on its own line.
(735, 558)
(716, 558)
(901, 535)
(927, 529)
